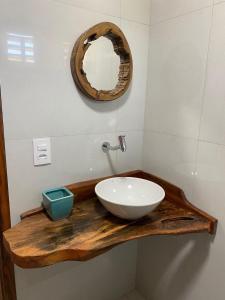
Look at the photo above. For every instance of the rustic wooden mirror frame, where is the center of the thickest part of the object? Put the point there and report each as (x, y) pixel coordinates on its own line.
(121, 48)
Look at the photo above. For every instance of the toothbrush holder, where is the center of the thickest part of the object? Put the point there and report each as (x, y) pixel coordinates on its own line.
(58, 202)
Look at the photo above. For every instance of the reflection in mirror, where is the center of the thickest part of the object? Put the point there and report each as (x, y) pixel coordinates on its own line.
(101, 64)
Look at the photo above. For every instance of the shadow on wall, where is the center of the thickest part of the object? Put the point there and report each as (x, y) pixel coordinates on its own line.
(106, 277)
(106, 106)
(169, 265)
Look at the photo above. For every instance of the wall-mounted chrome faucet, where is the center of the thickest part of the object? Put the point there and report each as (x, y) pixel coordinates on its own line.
(106, 147)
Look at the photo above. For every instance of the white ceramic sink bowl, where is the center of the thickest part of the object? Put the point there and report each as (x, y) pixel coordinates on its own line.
(129, 197)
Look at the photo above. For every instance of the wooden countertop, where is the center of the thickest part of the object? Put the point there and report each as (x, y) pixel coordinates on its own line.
(91, 230)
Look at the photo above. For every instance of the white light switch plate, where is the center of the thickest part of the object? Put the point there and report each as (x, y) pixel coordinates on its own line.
(42, 151)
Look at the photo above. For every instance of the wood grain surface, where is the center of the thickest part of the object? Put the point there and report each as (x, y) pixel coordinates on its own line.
(121, 48)
(91, 230)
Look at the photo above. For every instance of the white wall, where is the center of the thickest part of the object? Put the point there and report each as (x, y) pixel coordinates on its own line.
(184, 142)
(40, 99)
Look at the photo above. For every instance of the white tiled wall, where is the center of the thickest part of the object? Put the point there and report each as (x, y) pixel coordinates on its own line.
(136, 10)
(106, 277)
(40, 99)
(184, 142)
(162, 10)
(178, 53)
(183, 138)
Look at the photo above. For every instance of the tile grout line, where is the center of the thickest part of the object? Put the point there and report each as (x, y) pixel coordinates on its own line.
(117, 111)
(204, 92)
(147, 84)
(181, 15)
(170, 134)
(99, 12)
(218, 3)
(73, 135)
(184, 137)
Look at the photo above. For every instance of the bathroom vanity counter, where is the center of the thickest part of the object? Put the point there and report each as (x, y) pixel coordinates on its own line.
(91, 230)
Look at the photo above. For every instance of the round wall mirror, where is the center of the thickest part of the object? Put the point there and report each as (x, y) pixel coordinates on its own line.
(101, 65)
(101, 62)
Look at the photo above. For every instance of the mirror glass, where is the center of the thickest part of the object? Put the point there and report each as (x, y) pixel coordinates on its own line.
(101, 64)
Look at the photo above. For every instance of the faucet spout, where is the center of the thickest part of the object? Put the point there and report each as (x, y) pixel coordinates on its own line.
(106, 147)
(123, 144)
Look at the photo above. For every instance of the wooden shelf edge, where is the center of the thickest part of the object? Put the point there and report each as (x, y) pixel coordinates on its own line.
(27, 262)
(90, 231)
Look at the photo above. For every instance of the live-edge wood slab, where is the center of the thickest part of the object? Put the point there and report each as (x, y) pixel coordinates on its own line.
(90, 230)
